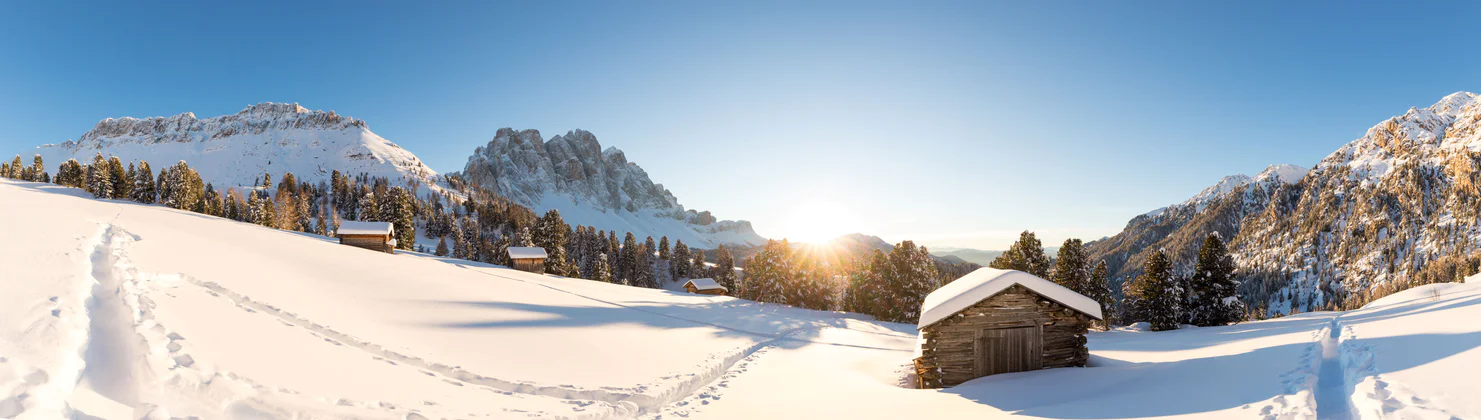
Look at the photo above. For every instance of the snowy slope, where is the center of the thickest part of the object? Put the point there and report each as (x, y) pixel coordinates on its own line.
(237, 149)
(119, 310)
(224, 319)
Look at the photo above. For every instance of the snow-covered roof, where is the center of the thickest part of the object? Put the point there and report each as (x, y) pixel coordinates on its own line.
(364, 228)
(704, 284)
(523, 252)
(986, 282)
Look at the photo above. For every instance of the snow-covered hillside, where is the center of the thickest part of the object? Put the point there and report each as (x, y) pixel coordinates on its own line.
(594, 187)
(118, 310)
(237, 149)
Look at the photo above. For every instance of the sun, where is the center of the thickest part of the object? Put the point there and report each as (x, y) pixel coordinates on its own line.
(817, 221)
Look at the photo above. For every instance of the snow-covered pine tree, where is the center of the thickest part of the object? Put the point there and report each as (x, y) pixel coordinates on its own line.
(321, 228)
(913, 275)
(1026, 255)
(681, 271)
(461, 246)
(865, 284)
(38, 168)
(724, 271)
(768, 272)
(1156, 292)
(14, 169)
(1100, 290)
(1072, 267)
(366, 206)
(663, 248)
(602, 271)
(697, 268)
(441, 246)
(143, 190)
(627, 260)
(396, 207)
(550, 234)
(1213, 294)
(645, 273)
(211, 201)
(99, 181)
(122, 184)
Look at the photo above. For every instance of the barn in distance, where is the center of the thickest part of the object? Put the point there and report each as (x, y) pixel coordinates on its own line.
(994, 321)
(704, 286)
(376, 236)
(528, 258)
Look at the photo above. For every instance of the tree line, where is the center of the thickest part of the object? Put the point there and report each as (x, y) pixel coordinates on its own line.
(1165, 300)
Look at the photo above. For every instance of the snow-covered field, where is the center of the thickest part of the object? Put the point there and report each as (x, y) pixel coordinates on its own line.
(113, 310)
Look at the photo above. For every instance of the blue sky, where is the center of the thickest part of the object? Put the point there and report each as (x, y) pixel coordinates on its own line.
(954, 124)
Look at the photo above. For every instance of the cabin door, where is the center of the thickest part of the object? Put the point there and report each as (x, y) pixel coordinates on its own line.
(1003, 350)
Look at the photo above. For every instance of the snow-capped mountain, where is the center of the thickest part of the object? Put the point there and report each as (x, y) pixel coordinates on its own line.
(1398, 205)
(1180, 228)
(237, 149)
(593, 186)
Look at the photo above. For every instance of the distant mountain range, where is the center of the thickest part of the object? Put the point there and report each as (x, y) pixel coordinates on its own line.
(572, 173)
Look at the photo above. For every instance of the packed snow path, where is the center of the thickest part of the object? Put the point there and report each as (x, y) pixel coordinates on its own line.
(1333, 395)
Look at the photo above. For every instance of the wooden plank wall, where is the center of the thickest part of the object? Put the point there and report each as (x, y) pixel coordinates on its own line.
(953, 351)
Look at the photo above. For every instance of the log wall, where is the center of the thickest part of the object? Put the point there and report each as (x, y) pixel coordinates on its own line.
(371, 242)
(949, 355)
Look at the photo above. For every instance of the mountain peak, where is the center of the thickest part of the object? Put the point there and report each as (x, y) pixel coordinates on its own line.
(1453, 103)
(1284, 172)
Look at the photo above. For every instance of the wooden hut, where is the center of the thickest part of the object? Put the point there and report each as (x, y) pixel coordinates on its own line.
(376, 236)
(704, 287)
(528, 258)
(994, 321)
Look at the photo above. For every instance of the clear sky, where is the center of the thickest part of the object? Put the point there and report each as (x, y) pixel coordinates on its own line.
(954, 124)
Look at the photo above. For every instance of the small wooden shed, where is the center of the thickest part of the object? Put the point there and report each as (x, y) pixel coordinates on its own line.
(994, 321)
(528, 258)
(378, 236)
(704, 286)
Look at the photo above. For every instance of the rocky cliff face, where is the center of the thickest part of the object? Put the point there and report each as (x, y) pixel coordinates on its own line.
(593, 186)
(1396, 206)
(236, 149)
(1391, 207)
(1181, 228)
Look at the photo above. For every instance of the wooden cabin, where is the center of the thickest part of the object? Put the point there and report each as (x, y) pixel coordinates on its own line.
(704, 287)
(377, 236)
(994, 321)
(528, 258)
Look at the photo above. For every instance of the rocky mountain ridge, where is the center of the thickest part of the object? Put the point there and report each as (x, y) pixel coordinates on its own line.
(593, 186)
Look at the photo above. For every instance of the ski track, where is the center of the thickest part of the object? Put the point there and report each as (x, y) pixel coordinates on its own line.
(1337, 379)
(1332, 392)
(126, 327)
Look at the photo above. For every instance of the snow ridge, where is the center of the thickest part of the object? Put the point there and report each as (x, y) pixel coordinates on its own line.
(237, 149)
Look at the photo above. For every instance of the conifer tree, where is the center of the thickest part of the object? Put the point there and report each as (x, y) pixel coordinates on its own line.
(628, 260)
(441, 246)
(321, 228)
(524, 238)
(644, 275)
(1072, 267)
(396, 207)
(366, 206)
(98, 178)
(38, 169)
(697, 267)
(681, 271)
(14, 170)
(550, 234)
(461, 246)
(122, 184)
(1214, 300)
(767, 273)
(867, 287)
(211, 201)
(1156, 293)
(1026, 255)
(724, 271)
(143, 190)
(71, 174)
(602, 271)
(1100, 290)
(663, 248)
